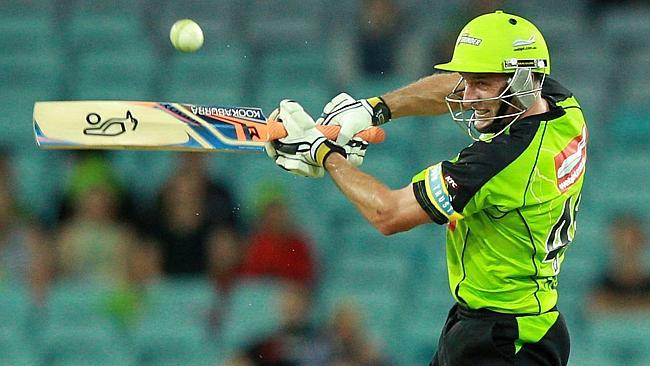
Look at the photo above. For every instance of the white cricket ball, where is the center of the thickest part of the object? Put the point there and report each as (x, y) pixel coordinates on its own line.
(186, 35)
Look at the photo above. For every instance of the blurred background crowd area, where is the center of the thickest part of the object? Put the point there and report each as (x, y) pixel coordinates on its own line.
(143, 258)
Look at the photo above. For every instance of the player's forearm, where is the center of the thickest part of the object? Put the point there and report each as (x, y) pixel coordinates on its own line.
(425, 97)
(371, 197)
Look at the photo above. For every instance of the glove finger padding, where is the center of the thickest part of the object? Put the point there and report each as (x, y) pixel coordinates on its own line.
(356, 151)
(299, 167)
(339, 102)
(294, 117)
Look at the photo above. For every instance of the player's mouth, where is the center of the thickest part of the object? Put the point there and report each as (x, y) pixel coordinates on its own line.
(481, 113)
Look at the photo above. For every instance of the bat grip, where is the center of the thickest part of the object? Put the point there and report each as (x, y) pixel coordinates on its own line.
(372, 135)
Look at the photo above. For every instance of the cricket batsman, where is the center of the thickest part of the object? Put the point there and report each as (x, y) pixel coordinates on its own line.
(509, 200)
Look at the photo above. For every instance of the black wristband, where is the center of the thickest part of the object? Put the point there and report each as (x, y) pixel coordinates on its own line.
(380, 111)
(325, 149)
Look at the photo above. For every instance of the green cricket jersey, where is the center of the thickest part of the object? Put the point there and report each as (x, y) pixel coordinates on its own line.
(510, 205)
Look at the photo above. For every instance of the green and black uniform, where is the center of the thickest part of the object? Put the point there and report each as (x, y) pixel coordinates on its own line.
(510, 206)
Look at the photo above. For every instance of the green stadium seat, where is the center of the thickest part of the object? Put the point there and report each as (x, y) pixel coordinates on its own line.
(78, 302)
(27, 10)
(379, 308)
(144, 172)
(422, 318)
(94, 342)
(252, 312)
(92, 34)
(34, 37)
(370, 271)
(15, 306)
(39, 74)
(211, 79)
(40, 175)
(364, 87)
(15, 349)
(122, 76)
(180, 302)
(157, 343)
(620, 339)
(302, 26)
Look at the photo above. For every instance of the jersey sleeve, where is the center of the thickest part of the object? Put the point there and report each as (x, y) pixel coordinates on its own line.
(454, 189)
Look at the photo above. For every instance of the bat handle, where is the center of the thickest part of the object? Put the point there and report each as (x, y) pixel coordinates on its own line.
(372, 135)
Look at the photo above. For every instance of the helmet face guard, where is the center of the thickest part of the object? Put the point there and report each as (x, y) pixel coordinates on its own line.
(516, 98)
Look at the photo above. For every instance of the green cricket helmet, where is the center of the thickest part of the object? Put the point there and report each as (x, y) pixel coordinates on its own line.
(499, 43)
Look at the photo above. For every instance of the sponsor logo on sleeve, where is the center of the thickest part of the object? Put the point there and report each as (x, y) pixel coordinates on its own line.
(570, 162)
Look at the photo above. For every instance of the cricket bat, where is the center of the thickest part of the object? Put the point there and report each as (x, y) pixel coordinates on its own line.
(133, 125)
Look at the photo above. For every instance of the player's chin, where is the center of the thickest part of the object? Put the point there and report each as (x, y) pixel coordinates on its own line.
(483, 125)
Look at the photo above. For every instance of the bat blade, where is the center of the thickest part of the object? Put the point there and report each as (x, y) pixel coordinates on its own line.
(132, 125)
(148, 126)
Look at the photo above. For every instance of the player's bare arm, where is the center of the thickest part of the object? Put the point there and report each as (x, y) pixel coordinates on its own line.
(390, 211)
(425, 97)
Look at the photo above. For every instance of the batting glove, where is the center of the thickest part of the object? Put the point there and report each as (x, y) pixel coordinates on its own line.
(305, 149)
(354, 115)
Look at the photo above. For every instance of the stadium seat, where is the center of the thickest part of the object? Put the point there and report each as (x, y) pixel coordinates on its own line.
(167, 343)
(183, 301)
(93, 342)
(370, 271)
(15, 307)
(252, 312)
(624, 27)
(105, 34)
(77, 302)
(380, 309)
(301, 26)
(621, 339)
(211, 79)
(26, 72)
(29, 36)
(16, 349)
(122, 76)
(39, 175)
(143, 172)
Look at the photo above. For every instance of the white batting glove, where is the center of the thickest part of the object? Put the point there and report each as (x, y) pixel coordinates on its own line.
(304, 150)
(356, 150)
(353, 115)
